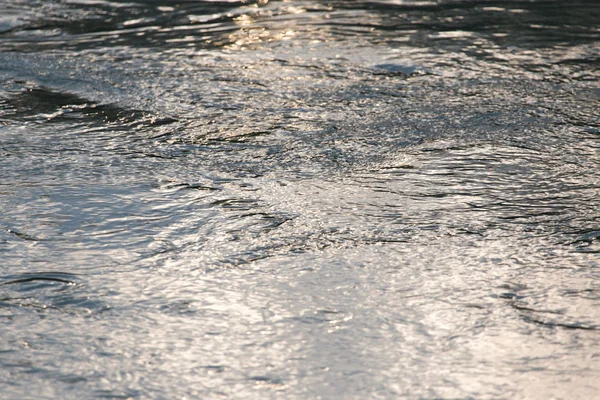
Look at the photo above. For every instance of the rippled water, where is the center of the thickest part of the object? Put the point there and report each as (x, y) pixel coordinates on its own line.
(294, 199)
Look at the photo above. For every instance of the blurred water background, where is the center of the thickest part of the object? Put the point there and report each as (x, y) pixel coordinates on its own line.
(299, 199)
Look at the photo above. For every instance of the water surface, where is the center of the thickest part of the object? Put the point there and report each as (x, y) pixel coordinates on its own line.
(294, 199)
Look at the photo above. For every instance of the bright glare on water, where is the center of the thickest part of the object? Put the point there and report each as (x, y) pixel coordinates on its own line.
(299, 199)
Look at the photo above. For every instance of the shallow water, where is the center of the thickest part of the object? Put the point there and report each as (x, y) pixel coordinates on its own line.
(294, 199)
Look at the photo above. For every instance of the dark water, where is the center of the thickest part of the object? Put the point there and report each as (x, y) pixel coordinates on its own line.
(299, 199)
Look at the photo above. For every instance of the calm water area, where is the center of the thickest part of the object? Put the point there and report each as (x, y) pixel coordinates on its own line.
(296, 199)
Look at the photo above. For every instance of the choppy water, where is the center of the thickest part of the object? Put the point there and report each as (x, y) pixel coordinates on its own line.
(294, 199)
